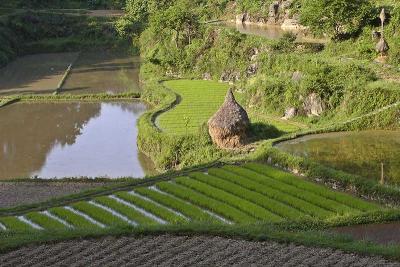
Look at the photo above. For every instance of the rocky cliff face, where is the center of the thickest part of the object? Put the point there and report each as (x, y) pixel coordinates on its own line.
(278, 14)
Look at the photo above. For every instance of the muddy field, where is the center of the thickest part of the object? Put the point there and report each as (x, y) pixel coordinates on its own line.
(39, 73)
(384, 233)
(181, 251)
(103, 72)
(13, 194)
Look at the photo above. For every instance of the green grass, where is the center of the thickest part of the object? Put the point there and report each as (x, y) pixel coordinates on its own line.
(45, 221)
(191, 211)
(292, 201)
(98, 214)
(309, 196)
(238, 202)
(312, 187)
(204, 201)
(150, 207)
(73, 219)
(129, 212)
(15, 225)
(199, 101)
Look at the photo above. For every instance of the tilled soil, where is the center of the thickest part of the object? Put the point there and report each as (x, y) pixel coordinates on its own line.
(169, 250)
(13, 194)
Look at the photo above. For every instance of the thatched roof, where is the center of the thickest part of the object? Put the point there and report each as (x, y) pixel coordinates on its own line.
(382, 15)
(382, 46)
(230, 115)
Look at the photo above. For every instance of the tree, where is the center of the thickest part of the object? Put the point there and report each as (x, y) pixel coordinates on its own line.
(336, 18)
(181, 18)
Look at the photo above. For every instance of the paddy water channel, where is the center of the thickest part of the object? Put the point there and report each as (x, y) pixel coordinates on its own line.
(72, 139)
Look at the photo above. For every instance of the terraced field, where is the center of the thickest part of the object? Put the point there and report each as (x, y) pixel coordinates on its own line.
(226, 195)
(199, 100)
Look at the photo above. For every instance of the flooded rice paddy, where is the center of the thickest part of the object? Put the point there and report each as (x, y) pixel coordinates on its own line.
(359, 153)
(103, 72)
(56, 140)
(39, 73)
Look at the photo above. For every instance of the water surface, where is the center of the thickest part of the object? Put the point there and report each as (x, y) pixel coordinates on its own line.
(103, 71)
(55, 140)
(272, 32)
(40, 73)
(355, 152)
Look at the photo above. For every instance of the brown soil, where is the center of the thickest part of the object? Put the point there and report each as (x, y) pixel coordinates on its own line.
(388, 233)
(181, 251)
(13, 194)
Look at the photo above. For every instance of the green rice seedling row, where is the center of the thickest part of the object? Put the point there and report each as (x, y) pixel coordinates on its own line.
(269, 204)
(152, 208)
(45, 221)
(203, 96)
(98, 214)
(292, 190)
(309, 186)
(73, 219)
(125, 210)
(204, 201)
(187, 209)
(14, 224)
(292, 201)
(245, 206)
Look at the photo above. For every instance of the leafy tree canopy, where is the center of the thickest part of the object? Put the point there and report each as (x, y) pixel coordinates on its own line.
(336, 18)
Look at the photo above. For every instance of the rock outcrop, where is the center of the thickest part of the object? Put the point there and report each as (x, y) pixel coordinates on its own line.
(229, 125)
(313, 105)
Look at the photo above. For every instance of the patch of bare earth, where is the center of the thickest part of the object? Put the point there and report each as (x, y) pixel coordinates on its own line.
(169, 250)
(19, 193)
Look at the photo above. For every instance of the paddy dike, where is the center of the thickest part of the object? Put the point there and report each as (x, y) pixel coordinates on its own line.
(167, 250)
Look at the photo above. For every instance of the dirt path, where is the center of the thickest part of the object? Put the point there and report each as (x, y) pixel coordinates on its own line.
(181, 251)
(12, 194)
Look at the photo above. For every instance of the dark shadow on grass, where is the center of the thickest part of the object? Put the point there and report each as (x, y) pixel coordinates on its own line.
(261, 131)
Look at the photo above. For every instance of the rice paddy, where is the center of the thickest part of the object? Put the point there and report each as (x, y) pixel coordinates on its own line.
(244, 194)
(198, 101)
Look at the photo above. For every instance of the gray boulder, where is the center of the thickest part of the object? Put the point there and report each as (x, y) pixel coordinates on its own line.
(313, 105)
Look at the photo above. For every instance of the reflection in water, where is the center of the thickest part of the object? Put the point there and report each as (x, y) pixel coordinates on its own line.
(103, 71)
(71, 140)
(269, 32)
(355, 152)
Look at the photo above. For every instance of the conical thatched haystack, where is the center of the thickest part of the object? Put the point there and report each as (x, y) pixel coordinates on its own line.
(229, 124)
(382, 47)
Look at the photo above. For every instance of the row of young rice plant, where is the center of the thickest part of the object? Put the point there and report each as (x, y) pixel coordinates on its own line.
(159, 211)
(199, 101)
(98, 214)
(308, 196)
(264, 201)
(297, 203)
(312, 187)
(125, 210)
(186, 209)
(75, 220)
(238, 202)
(45, 221)
(206, 202)
(14, 224)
